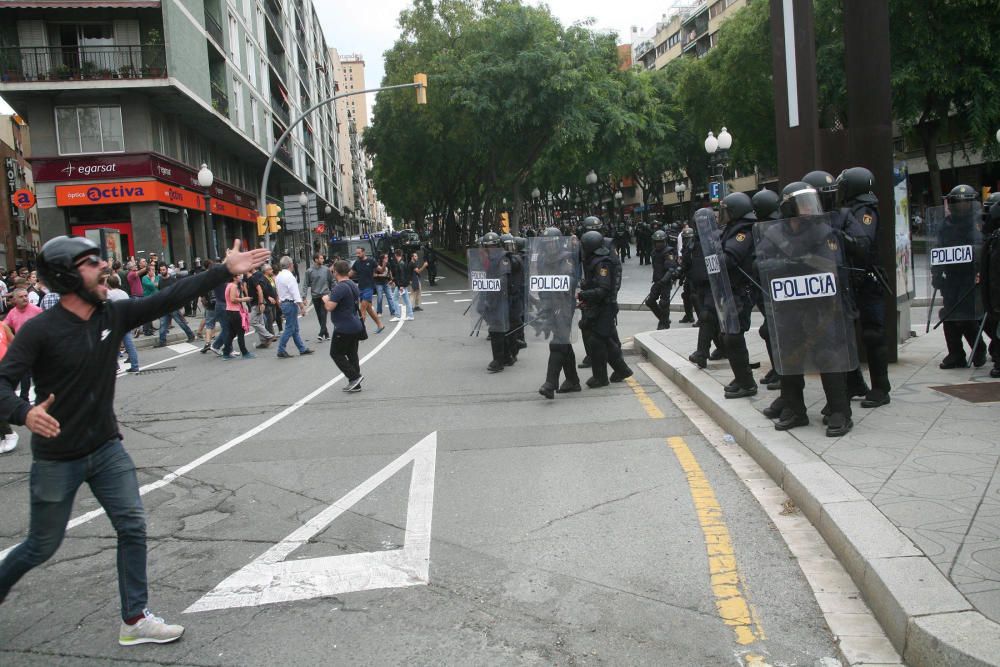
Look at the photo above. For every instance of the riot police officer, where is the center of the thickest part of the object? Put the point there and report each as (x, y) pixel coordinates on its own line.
(684, 240)
(494, 307)
(665, 270)
(857, 220)
(599, 308)
(643, 243)
(515, 296)
(622, 241)
(696, 276)
(956, 280)
(736, 215)
(799, 241)
(765, 207)
(555, 311)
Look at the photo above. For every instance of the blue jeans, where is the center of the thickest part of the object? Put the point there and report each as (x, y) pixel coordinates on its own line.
(383, 289)
(110, 473)
(404, 297)
(176, 317)
(220, 317)
(133, 354)
(290, 311)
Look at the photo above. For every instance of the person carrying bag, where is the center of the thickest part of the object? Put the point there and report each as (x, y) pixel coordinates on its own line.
(343, 304)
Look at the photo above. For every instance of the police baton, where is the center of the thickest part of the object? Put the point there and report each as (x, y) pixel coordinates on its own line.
(957, 304)
(930, 310)
(751, 280)
(476, 326)
(979, 338)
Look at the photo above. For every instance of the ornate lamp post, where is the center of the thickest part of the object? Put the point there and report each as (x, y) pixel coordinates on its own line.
(680, 189)
(718, 154)
(205, 180)
(591, 183)
(618, 203)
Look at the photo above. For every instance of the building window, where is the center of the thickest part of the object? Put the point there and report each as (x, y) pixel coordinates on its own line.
(674, 40)
(234, 42)
(89, 129)
(237, 102)
(251, 64)
(253, 118)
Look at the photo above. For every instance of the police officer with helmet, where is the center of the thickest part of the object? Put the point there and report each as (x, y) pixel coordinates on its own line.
(494, 307)
(737, 218)
(857, 219)
(557, 313)
(599, 308)
(665, 270)
(765, 207)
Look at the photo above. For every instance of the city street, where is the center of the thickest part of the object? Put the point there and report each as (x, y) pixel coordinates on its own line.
(299, 529)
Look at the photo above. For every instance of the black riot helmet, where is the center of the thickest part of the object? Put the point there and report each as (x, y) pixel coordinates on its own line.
(552, 231)
(593, 224)
(799, 199)
(766, 204)
(991, 201)
(507, 241)
(520, 243)
(826, 186)
(591, 241)
(960, 200)
(57, 264)
(856, 183)
(735, 207)
(659, 237)
(490, 240)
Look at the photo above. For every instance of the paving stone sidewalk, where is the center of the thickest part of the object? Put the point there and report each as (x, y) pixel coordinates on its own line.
(929, 462)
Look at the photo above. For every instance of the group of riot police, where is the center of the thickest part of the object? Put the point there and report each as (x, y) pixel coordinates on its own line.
(806, 258)
(544, 282)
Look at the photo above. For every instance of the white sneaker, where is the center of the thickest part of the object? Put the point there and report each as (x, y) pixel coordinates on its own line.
(150, 629)
(9, 443)
(393, 319)
(409, 318)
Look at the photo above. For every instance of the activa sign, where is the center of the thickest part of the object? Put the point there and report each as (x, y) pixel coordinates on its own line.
(116, 192)
(961, 254)
(548, 284)
(793, 288)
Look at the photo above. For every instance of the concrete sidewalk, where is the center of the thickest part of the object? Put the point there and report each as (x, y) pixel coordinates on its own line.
(909, 500)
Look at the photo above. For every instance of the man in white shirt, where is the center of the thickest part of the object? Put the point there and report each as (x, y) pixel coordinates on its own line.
(116, 293)
(290, 302)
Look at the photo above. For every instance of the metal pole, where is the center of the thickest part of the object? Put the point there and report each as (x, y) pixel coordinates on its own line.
(262, 202)
(208, 219)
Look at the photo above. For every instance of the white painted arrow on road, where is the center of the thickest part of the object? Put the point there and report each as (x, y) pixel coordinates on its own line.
(270, 578)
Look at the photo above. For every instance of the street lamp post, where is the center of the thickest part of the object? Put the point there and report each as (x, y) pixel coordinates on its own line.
(205, 180)
(618, 203)
(718, 154)
(535, 194)
(304, 203)
(680, 189)
(591, 183)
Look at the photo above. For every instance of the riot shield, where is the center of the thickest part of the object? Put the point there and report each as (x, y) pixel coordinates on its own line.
(955, 240)
(810, 313)
(710, 236)
(489, 277)
(552, 273)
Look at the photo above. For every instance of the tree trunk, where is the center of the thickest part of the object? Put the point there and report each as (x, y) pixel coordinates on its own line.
(928, 132)
(515, 215)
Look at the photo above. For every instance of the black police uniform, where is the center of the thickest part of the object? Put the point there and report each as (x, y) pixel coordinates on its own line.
(665, 268)
(556, 310)
(960, 304)
(430, 256)
(858, 224)
(597, 322)
(737, 244)
(515, 296)
(696, 277)
(490, 306)
(621, 241)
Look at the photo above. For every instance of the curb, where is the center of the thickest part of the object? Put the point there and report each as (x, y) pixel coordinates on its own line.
(928, 621)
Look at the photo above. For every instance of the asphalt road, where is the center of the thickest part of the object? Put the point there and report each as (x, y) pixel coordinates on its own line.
(558, 532)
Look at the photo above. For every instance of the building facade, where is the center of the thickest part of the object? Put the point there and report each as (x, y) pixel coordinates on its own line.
(19, 239)
(127, 99)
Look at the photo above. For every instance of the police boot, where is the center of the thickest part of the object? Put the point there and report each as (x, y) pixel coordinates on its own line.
(774, 410)
(838, 424)
(547, 390)
(995, 371)
(497, 346)
(585, 363)
(856, 385)
(770, 378)
(979, 358)
(956, 353)
(699, 359)
(790, 419)
(663, 324)
(620, 375)
(717, 354)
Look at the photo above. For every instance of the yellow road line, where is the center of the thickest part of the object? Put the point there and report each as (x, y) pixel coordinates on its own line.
(727, 586)
(651, 409)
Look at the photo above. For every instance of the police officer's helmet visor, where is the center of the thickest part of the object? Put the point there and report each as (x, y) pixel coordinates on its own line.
(807, 201)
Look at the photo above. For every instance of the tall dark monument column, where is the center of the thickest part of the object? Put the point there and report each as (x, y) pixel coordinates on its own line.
(793, 57)
(869, 120)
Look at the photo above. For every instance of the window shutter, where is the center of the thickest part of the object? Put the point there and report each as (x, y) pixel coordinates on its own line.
(126, 33)
(32, 38)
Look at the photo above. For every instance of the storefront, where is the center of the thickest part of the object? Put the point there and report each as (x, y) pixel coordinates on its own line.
(149, 204)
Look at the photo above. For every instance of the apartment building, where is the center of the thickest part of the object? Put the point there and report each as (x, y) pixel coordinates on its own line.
(19, 239)
(691, 29)
(128, 98)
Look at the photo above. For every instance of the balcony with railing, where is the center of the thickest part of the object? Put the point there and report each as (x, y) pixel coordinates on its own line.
(214, 29)
(220, 99)
(272, 8)
(69, 63)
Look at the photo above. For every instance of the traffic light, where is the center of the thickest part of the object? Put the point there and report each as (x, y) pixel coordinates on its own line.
(273, 211)
(421, 81)
(986, 192)
(505, 222)
(261, 225)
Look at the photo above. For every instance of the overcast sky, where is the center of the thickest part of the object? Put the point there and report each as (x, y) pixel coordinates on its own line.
(373, 31)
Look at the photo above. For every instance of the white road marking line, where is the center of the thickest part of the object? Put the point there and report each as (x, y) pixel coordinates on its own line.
(162, 361)
(181, 348)
(271, 578)
(452, 293)
(462, 300)
(222, 449)
(428, 303)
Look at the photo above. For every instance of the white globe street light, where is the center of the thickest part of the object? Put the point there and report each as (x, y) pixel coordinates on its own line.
(998, 136)
(205, 180)
(711, 143)
(303, 199)
(205, 177)
(725, 140)
(591, 178)
(680, 189)
(536, 193)
(618, 195)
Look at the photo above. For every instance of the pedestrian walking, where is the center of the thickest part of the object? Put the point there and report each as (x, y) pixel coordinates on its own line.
(363, 273)
(8, 437)
(21, 313)
(75, 432)
(258, 309)
(402, 275)
(343, 305)
(417, 268)
(116, 293)
(237, 318)
(319, 281)
(385, 288)
(291, 308)
(166, 280)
